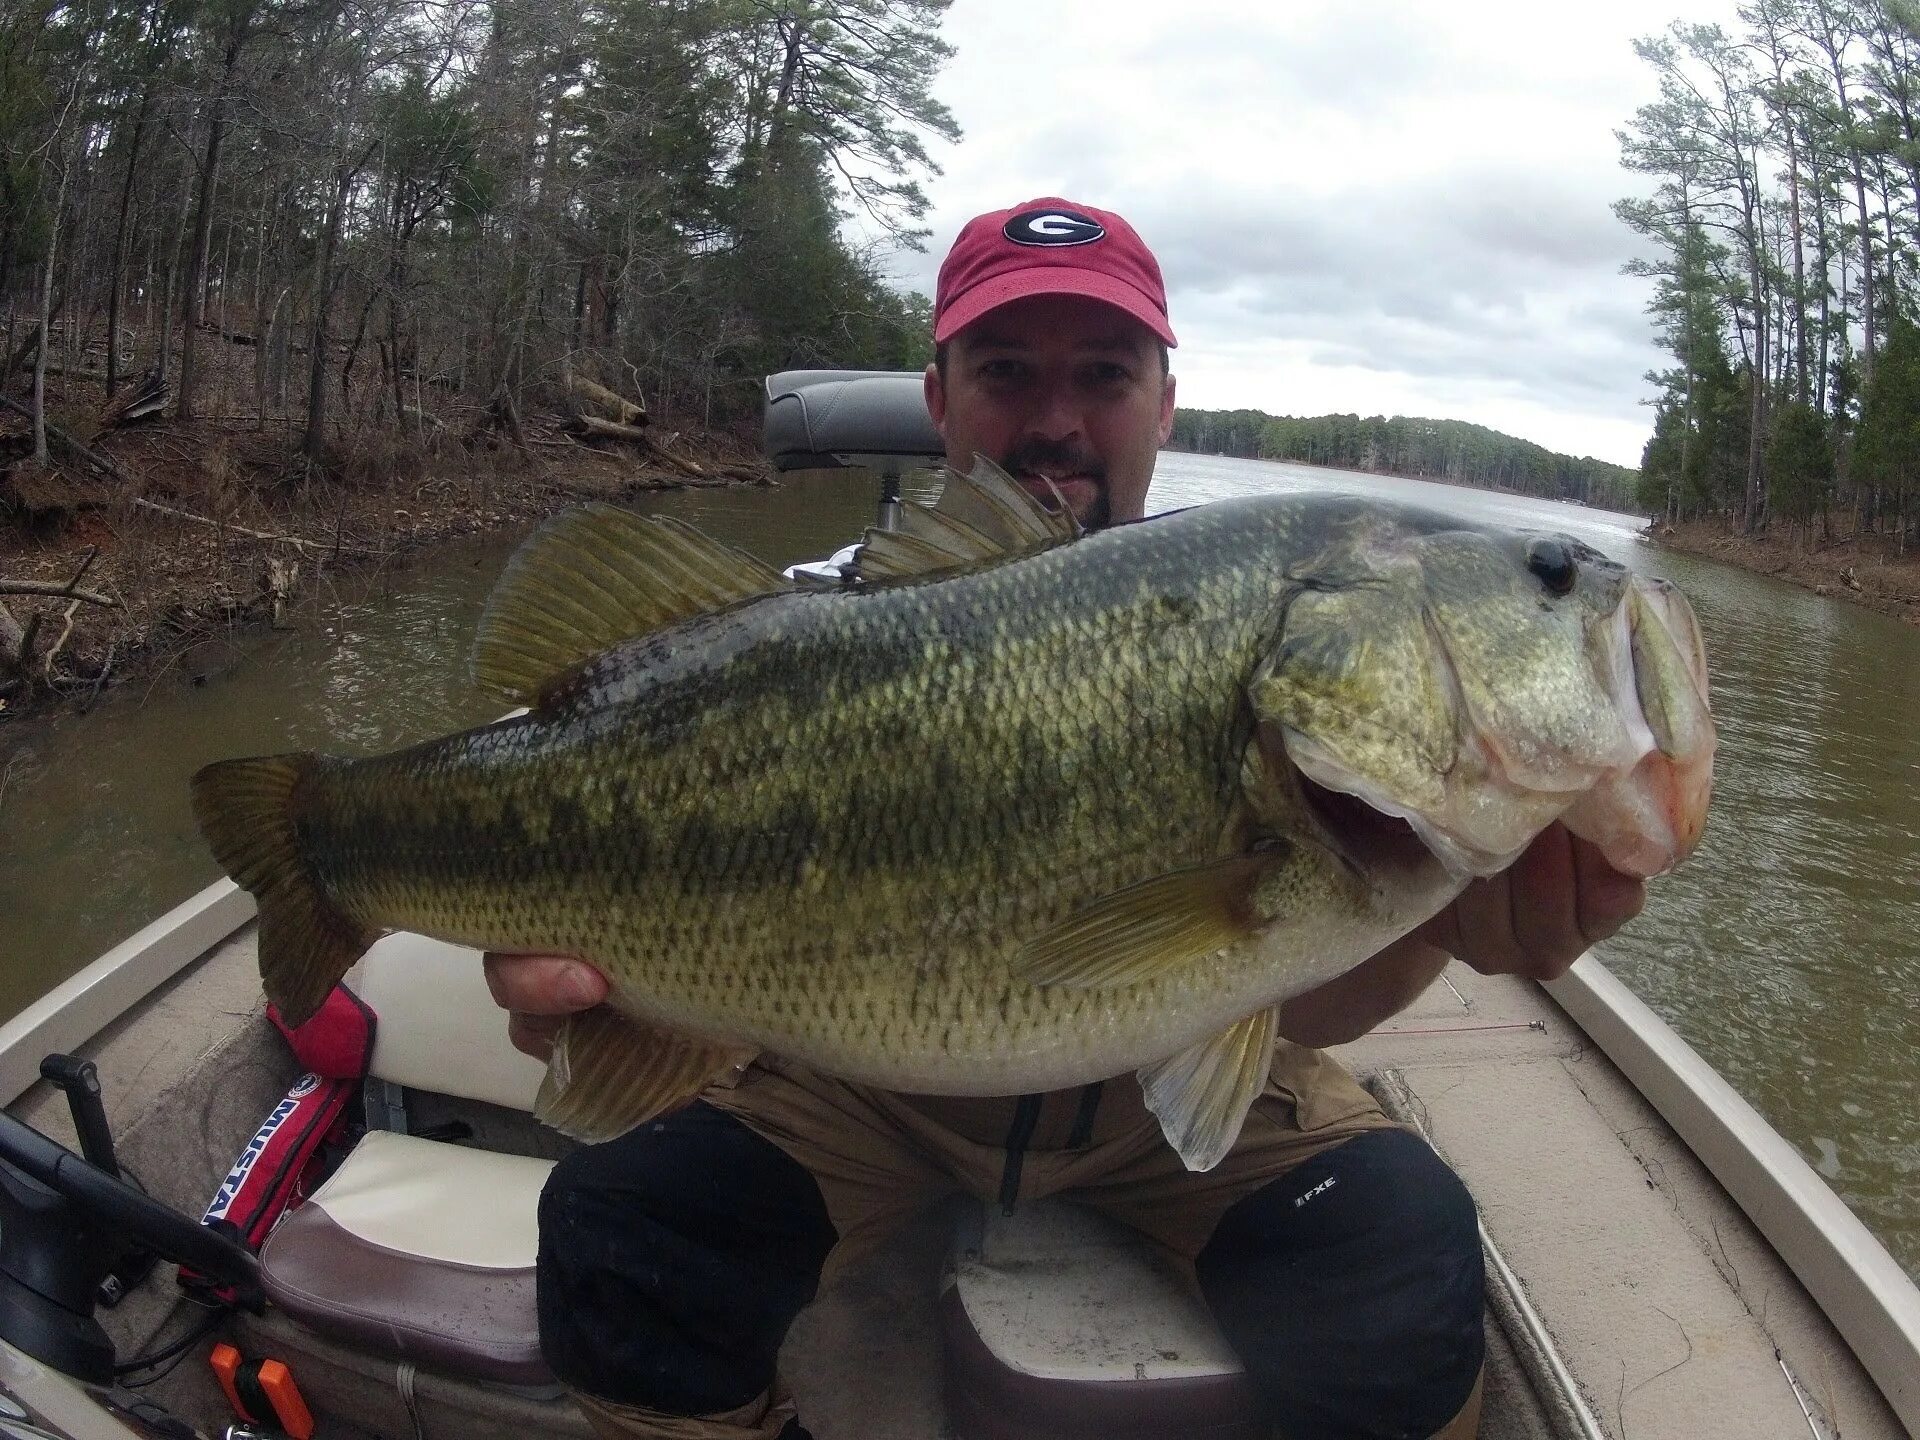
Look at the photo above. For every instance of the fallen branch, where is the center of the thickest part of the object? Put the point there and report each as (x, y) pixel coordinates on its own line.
(160, 509)
(54, 650)
(56, 589)
(679, 462)
(56, 434)
(623, 410)
(595, 428)
(611, 429)
(24, 653)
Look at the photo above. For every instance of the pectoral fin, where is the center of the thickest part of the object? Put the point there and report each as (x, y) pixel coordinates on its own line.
(1202, 1094)
(611, 1072)
(1147, 930)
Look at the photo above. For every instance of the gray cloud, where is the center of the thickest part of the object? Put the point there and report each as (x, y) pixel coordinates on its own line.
(1412, 198)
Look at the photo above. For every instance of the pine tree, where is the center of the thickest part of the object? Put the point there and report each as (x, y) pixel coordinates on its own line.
(1886, 444)
(1799, 464)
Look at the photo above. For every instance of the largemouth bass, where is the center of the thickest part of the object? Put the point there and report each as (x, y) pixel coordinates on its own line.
(1021, 811)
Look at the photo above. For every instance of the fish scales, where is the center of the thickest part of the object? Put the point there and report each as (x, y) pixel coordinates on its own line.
(855, 805)
(1092, 807)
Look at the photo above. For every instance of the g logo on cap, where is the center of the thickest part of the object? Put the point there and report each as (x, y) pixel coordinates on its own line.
(1053, 227)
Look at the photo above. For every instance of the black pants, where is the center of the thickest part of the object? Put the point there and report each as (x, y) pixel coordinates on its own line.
(673, 1260)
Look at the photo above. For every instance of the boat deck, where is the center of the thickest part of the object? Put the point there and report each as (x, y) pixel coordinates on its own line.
(1637, 1301)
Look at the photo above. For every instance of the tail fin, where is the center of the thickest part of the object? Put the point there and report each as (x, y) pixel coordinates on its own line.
(245, 811)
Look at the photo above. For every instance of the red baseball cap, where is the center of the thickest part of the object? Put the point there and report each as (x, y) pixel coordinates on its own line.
(1048, 246)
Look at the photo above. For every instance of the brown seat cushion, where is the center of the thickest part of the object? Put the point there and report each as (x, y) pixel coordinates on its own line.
(421, 1251)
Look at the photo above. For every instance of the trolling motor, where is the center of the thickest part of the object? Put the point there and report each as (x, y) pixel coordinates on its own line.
(75, 1232)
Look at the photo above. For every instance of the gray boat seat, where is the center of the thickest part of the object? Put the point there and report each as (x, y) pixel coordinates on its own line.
(822, 419)
(1057, 1321)
(416, 1249)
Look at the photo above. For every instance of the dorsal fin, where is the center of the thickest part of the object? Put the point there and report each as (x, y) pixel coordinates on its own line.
(594, 576)
(979, 517)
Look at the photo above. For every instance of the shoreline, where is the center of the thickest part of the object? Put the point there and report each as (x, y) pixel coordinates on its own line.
(1865, 572)
(1844, 567)
(215, 538)
(211, 545)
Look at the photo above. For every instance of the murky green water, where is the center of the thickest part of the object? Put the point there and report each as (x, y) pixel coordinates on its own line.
(1787, 952)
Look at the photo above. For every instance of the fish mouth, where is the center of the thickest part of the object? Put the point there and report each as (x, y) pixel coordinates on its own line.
(1371, 842)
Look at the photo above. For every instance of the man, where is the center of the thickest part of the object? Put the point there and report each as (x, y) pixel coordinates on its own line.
(1338, 1254)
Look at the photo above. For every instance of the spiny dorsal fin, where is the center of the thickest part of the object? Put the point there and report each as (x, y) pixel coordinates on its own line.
(1202, 1095)
(611, 1072)
(595, 576)
(978, 518)
(1147, 930)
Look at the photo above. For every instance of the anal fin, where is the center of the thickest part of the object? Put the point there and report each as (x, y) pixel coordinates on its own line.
(611, 1072)
(1202, 1094)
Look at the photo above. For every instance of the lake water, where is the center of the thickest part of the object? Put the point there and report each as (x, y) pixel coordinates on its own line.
(1787, 951)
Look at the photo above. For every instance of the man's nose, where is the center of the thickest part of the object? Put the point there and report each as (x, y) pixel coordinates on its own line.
(1057, 413)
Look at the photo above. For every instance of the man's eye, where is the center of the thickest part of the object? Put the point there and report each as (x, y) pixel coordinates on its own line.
(1108, 373)
(1000, 370)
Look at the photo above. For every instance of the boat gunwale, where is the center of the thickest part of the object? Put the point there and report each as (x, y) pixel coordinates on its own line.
(1853, 1278)
(86, 1003)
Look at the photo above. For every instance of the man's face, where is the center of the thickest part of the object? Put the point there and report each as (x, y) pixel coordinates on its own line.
(1060, 388)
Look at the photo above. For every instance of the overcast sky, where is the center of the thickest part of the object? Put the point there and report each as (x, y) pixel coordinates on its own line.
(1380, 206)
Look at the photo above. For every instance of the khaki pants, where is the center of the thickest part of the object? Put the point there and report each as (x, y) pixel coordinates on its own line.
(879, 1156)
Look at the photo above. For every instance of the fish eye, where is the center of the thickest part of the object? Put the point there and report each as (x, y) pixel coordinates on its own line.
(1553, 563)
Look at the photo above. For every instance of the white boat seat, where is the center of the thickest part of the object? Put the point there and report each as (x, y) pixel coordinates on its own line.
(1057, 1321)
(438, 1028)
(420, 1251)
(415, 1249)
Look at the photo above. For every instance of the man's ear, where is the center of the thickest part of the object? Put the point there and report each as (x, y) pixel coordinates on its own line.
(1166, 408)
(936, 392)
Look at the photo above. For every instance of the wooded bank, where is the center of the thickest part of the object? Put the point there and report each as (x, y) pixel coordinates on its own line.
(180, 534)
(1785, 220)
(325, 277)
(1862, 570)
(1451, 450)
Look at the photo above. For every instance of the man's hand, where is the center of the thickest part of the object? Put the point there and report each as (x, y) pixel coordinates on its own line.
(538, 992)
(1539, 915)
(1534, 918)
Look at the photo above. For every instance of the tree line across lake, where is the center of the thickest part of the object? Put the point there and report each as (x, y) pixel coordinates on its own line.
(1450, 450)
(1784, 220)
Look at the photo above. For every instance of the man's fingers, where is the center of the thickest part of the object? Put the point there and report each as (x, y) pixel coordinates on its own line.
(1545, 904)
(543, 984)
(533, 1034)
(1607, 898)
(1541, 914)
(1483, 927)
